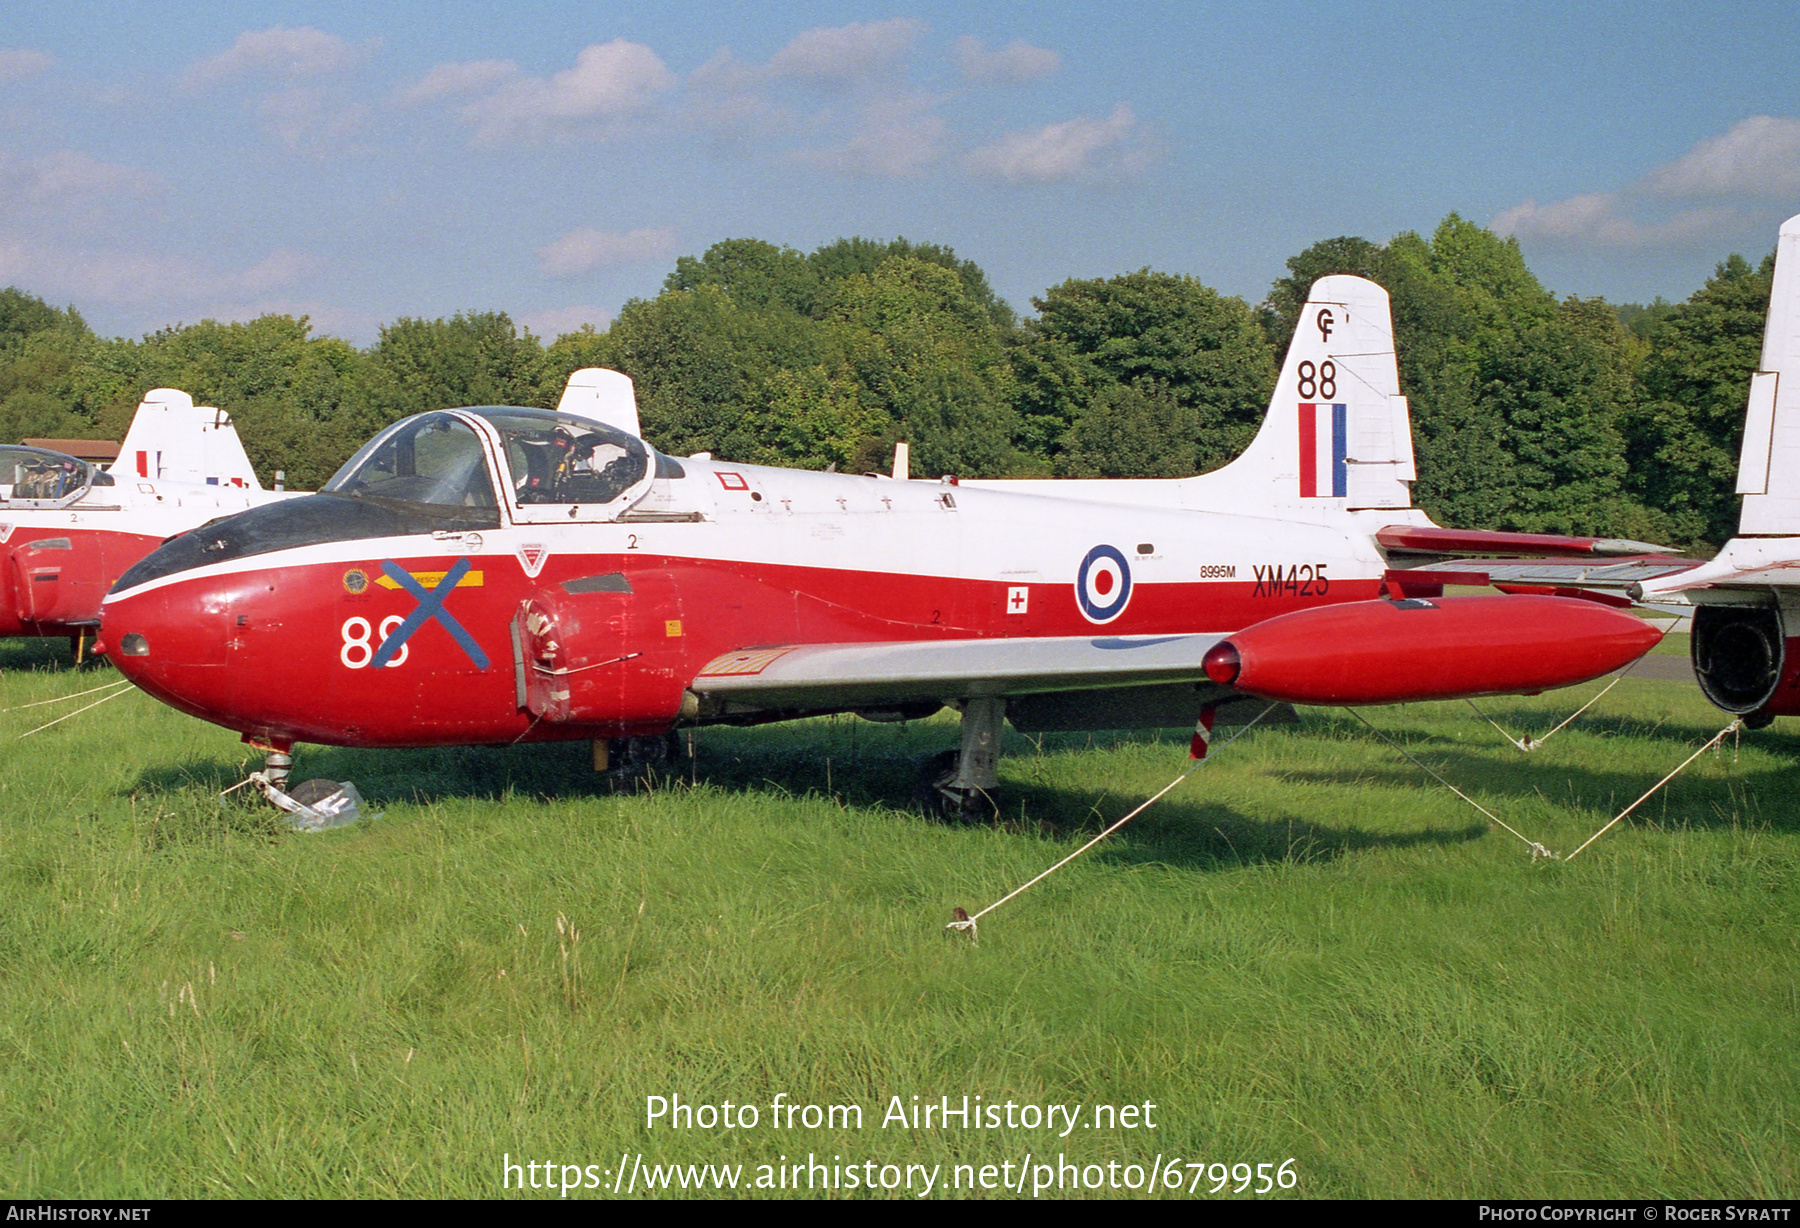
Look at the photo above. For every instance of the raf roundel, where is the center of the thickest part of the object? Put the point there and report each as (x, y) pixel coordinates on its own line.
(1103, 585)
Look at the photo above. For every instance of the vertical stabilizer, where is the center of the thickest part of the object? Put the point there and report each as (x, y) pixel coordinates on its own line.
(173, 440)
(600, 395)
(1769, 466)
(1337, 433)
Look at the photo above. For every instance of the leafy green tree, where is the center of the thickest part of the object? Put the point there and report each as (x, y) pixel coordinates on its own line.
(293, 397)
(1144, 373)
(1518, 403)
(926, 354)
(42, 351)
(855, 256)
(1685, 438)
(755, 274)
(472, 358)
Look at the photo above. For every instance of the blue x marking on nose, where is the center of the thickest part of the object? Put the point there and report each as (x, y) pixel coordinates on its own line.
(431, 605)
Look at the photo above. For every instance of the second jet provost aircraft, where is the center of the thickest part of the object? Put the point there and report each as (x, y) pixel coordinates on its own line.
(68, 529)
(496, 575)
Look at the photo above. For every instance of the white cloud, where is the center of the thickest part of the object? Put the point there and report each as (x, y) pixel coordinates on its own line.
(559, 320)
(70, 177)
(70, 189)
(17, 63)
(1756, 159)
(124, 276)
(1016, 62)
(279, 268)
(1059, 151)
(1759, 156)
(308, 120)
(287, 52)
(609, 83)
(843, 55)
(582, 251)
(1599, 217)
(895, 136)
(450, 80)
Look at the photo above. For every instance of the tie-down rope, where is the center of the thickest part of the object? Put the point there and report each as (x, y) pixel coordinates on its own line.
(1711, 742)
(1538, 850)
(1529, 743)
(965, 922)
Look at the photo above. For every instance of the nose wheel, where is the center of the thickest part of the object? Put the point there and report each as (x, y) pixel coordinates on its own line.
(312, 805)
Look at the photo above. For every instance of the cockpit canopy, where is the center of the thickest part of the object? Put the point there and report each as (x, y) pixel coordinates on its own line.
(37, 477)
(438, 460)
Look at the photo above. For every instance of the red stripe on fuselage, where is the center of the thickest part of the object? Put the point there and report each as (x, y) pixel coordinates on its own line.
(268, 651)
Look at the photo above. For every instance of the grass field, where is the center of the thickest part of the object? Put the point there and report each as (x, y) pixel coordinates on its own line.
(1307, 951)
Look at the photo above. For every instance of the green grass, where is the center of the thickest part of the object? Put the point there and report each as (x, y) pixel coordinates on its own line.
(1307, 950)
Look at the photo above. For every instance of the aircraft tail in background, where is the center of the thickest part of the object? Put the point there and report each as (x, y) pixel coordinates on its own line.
(173, 440)
(1769, 465)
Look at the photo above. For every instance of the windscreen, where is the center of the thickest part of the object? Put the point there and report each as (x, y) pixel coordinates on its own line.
(32, 473)
(434, 460)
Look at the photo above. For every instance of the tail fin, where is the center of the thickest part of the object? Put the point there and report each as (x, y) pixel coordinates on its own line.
(1337, 433)
(174, 440)
(1769, 465)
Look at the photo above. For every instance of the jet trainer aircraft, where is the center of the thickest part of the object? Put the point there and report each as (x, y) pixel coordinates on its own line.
(68, 529)
(498, 574)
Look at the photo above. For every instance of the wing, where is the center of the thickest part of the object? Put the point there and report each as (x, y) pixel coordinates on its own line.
(851, 675)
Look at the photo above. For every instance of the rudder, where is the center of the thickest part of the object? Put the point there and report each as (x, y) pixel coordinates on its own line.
(1769, 464)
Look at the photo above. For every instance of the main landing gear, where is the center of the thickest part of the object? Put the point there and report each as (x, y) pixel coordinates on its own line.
(958, 785)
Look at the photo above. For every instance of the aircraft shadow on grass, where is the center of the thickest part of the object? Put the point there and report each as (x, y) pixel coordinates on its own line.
(1757, 795)
(1186, 832)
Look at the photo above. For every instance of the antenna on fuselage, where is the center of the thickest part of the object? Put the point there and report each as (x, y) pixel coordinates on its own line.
(901, 461)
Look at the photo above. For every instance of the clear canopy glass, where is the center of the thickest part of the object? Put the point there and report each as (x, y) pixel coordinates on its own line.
(555, 458)
(433, 459)
(40, 476)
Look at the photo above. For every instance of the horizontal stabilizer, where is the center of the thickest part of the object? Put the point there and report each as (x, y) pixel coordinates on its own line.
(1418, 539)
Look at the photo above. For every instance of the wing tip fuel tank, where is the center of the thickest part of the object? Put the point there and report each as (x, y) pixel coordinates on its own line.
(1383, 652)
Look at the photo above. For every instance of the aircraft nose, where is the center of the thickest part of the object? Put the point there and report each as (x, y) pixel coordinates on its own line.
(171, 640)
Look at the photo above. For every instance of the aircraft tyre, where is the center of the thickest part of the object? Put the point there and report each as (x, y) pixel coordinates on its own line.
(940, 798)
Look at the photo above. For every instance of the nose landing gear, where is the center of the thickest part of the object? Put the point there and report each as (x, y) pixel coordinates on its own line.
(312, 805)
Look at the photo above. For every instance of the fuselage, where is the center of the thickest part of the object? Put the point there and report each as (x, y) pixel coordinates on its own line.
(61, 553)
(353, 619)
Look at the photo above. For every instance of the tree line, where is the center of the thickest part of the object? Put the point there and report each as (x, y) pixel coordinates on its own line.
(1529, 412)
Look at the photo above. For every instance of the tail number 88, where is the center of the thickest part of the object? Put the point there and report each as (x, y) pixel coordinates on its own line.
(358, 651)
(1319, 383)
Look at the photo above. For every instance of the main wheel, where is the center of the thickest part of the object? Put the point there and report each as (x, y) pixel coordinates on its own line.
(938, 795)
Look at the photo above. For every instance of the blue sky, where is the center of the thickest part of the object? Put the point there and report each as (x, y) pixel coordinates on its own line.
(357, 163)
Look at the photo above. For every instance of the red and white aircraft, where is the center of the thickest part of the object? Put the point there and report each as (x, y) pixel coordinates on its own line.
(497, 575)
(1746, 601)
(68, 529)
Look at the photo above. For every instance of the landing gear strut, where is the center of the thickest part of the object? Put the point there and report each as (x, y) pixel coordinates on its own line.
(959, 784)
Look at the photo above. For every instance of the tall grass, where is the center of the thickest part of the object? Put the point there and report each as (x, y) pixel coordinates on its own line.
(1307, 950)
